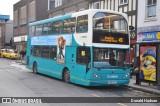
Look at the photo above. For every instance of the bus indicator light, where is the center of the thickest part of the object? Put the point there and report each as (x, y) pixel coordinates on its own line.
(121, 40)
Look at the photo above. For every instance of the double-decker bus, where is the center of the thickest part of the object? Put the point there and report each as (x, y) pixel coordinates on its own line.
(89, 48)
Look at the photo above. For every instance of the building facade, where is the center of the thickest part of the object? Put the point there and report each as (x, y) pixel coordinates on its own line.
(148, 40)
(126, 6)
(62, 7)
(9, 34)
(6, 31)
(148, 15)
(27, 11)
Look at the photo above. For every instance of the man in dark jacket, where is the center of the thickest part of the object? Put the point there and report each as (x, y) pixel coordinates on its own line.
(136, 66)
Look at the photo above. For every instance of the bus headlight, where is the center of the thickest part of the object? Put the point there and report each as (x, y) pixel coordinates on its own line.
(96, 76)
(127, 75)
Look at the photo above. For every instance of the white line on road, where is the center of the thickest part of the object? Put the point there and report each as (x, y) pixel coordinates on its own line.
(121, 104)
(96, 95)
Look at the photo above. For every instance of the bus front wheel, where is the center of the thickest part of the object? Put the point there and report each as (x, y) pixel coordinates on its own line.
(66, 76)
(35, 68)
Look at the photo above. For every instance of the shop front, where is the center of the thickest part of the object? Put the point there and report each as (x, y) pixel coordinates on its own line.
(20, 42)
(149, 56)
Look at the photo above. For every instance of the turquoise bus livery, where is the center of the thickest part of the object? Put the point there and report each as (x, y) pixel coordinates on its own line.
(89, 48)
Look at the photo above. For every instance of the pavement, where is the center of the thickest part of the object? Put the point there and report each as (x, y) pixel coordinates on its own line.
(145, 87)
(21, 62)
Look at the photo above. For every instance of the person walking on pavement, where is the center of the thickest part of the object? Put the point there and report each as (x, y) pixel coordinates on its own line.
(136, 66)
(22, 53)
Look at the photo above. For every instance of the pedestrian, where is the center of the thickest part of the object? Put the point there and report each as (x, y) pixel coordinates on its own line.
(136, 69)
(22, 55)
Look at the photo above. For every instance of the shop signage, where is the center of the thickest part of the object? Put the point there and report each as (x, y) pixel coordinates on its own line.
(148, 63)
(148, 36)
(22, 39)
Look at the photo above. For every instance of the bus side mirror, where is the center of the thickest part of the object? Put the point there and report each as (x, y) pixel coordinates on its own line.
(131, 28)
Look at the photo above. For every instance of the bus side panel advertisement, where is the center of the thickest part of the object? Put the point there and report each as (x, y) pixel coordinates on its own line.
(61, 49)
(61, 41)
(148, 63)
(50, 40)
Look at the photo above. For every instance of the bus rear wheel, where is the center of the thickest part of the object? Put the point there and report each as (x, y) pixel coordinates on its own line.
(66, 76)
(35, 68)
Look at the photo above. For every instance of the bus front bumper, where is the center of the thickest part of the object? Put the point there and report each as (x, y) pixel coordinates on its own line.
(107, 82)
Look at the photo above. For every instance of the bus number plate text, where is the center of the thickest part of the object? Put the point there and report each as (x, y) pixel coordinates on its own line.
(112, 82)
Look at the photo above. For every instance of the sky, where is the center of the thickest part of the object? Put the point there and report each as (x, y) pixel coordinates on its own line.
(6, 7)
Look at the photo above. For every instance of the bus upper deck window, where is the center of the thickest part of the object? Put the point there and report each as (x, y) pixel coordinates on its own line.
(31, 30)
(57, 27)
(47, 29)
(69, 25)
(38, 30)
(82, 24)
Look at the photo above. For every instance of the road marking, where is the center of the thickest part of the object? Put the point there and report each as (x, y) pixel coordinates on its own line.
(95, 95)
(121, 104)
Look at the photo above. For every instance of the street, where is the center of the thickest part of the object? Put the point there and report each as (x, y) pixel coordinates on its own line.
(18, 81)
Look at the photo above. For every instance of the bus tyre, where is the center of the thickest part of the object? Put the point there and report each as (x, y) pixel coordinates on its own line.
(66, 76)
(35, 68)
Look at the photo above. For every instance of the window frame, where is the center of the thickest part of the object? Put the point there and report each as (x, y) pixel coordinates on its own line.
(83, 24)
(60, 29)
(147, 9)
(39, 33)
(43, 48)
(54, 57)
(74, 18)
(33, 31)
(49, 26)
(96, 3)
(124, 3)
(84, 58)
(37, 54)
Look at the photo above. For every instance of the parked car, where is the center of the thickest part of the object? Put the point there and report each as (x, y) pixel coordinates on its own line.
(3, 53)
(12, 54)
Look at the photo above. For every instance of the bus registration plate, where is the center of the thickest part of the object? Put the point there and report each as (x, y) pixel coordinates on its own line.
(112, 82)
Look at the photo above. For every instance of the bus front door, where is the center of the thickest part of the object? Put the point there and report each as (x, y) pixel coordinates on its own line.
(82, 63)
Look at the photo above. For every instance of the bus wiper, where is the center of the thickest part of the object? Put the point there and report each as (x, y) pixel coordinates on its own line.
(107, 67)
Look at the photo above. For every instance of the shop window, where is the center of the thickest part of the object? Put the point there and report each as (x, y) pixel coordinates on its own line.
(82, 24)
